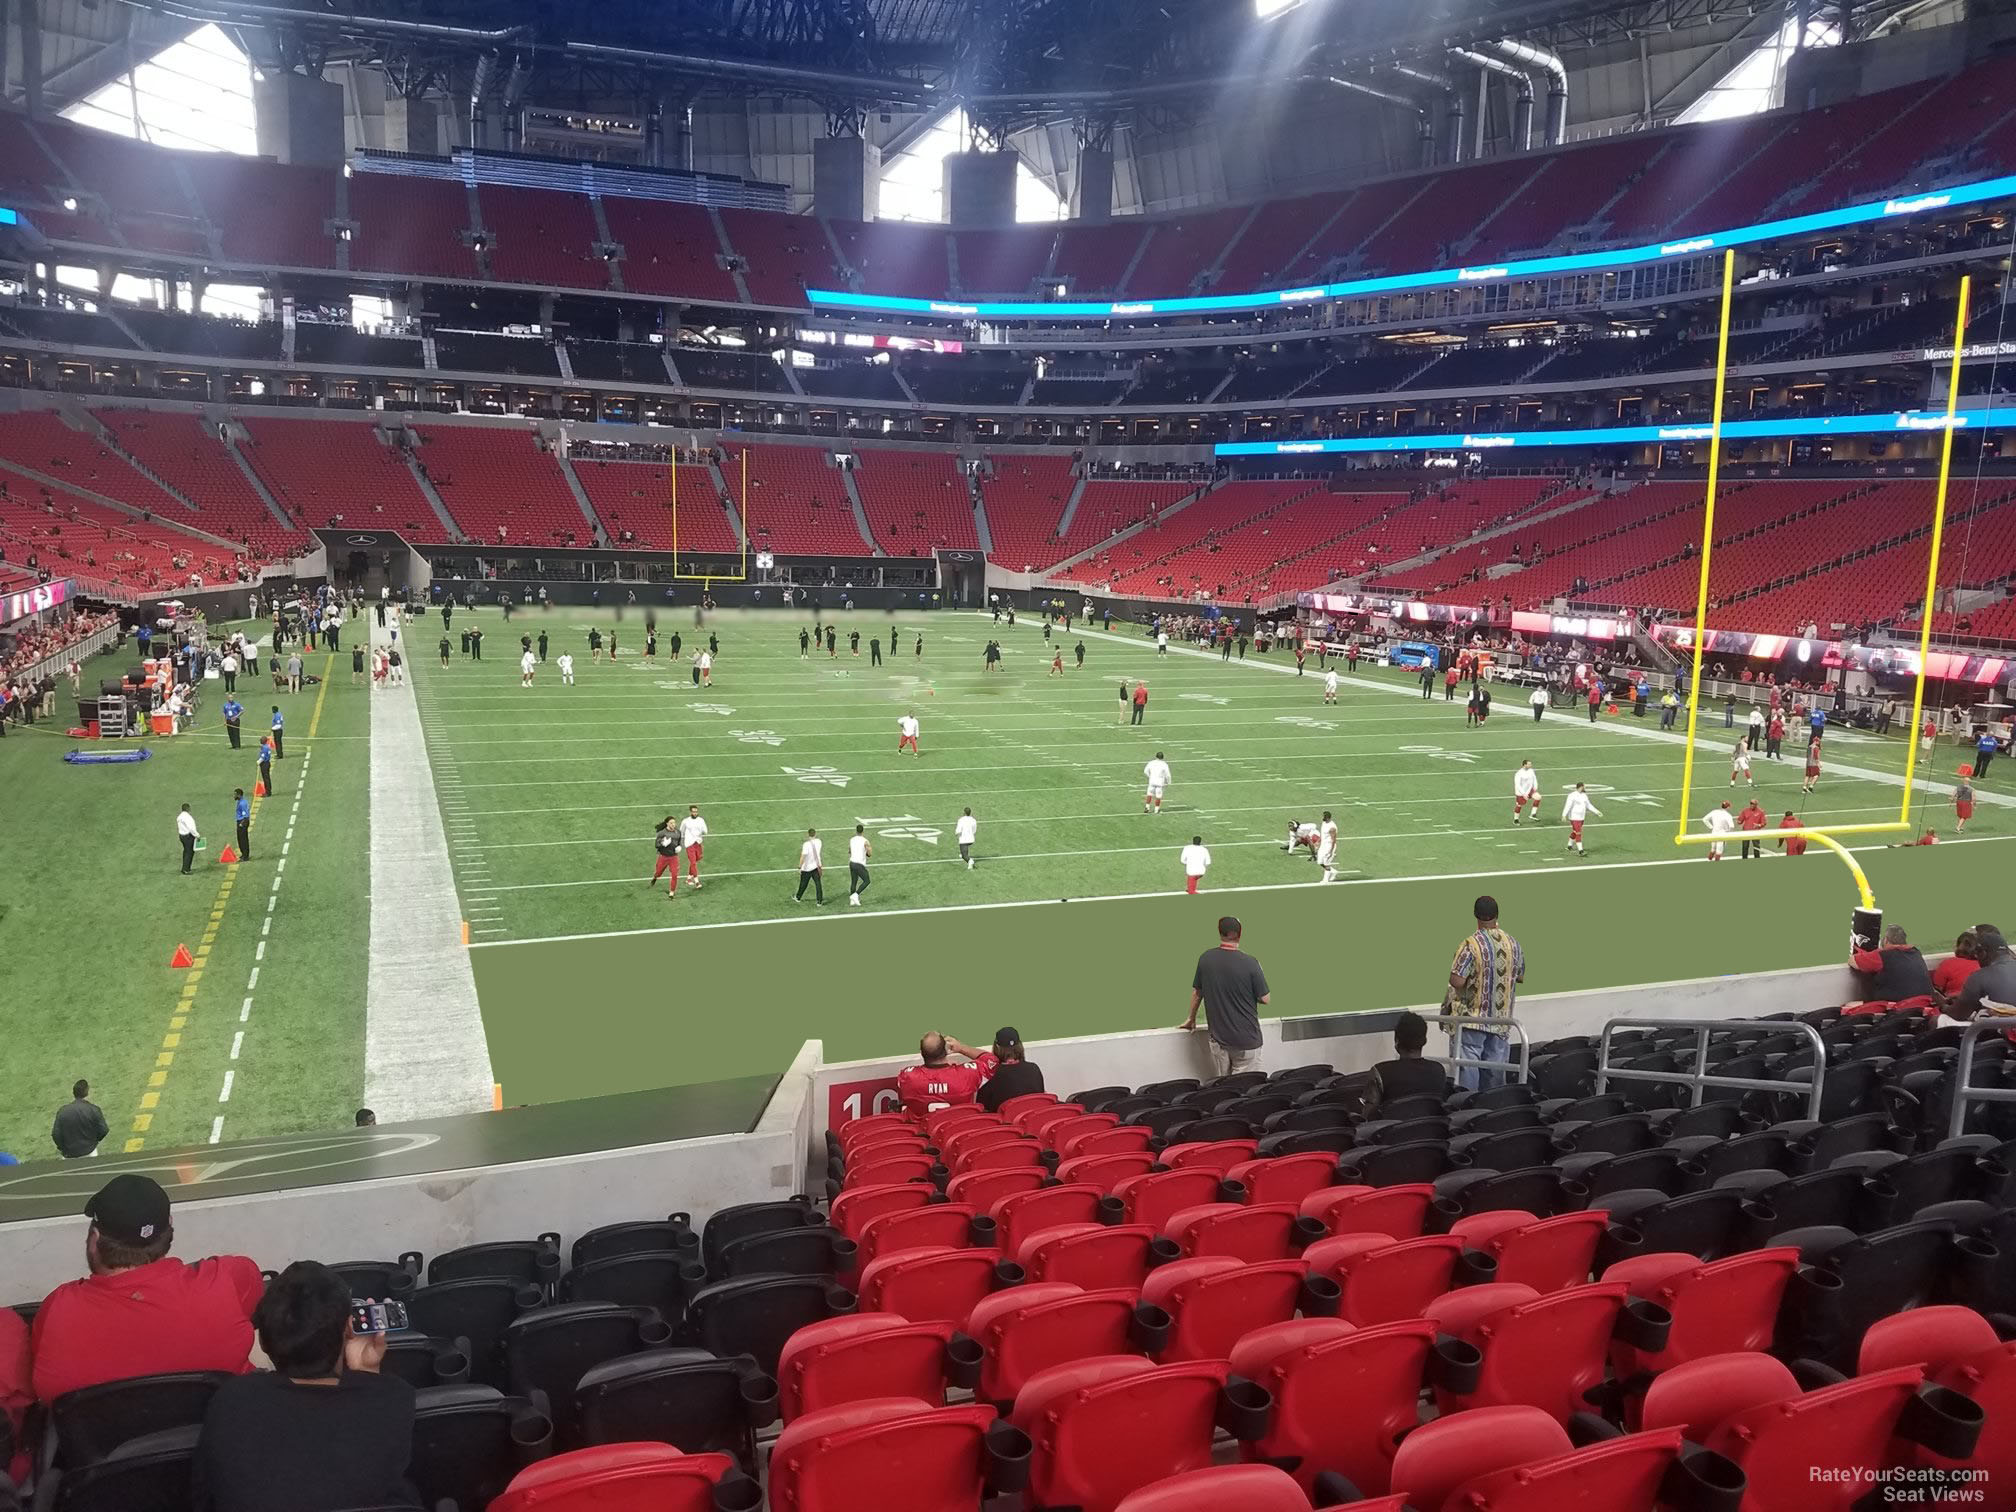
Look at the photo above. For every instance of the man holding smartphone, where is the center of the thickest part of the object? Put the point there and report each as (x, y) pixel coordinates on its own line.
(324, 1429)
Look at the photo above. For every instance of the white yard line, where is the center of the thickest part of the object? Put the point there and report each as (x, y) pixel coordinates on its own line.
(425, 1054)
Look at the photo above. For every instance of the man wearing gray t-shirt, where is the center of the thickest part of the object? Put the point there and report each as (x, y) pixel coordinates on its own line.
(1230, 986)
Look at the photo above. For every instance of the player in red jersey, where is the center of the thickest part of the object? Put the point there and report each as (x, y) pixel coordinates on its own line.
(1751, 821)
(941, 1082)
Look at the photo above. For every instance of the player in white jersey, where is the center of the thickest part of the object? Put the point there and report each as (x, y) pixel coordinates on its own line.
(1196, 861)
(1739, 763)
(1330, 686)
(1326, 844)
(1525, 790)
(906, 734)
(1720, 822)
(565, 661)
(964, 829)
(1157, 773)
(693, 836)
(525, 665)
(1578, 807)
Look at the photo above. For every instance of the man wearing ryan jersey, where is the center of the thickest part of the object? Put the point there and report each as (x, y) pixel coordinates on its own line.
(692, 831)
(1525, 790)
(940, 1082)
(1157, 773)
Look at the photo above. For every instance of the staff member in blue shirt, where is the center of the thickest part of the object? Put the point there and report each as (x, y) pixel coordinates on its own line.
(1985, 747)
(233, 712)
(279, 726)
(1818, 720)
(243, 811)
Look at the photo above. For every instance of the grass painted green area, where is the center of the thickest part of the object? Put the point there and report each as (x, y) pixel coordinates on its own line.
(96, 906)
(1074, 921)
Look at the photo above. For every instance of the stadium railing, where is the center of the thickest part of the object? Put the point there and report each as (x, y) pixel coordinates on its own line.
(1700, 1078)
(1965, 1088)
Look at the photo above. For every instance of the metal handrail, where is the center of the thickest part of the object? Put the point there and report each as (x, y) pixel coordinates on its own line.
(1699, 1078)
(1963, 1089)
(1521, 1068)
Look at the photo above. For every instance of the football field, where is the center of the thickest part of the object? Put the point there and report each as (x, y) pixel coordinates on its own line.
(1073, 919)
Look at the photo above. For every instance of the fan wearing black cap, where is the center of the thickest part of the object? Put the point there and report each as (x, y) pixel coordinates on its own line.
(140, 1312)
(1014, 1073)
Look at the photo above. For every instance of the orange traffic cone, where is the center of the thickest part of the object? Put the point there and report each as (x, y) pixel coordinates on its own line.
(258, 790)
(226, 856)
(182, 957)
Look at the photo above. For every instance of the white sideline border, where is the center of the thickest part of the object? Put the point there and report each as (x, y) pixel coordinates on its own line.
(425, 1052)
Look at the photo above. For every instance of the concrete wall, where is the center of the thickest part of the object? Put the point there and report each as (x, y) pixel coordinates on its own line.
(433, 1213)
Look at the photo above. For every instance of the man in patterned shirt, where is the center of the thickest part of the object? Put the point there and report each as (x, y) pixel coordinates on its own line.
(1483, 983)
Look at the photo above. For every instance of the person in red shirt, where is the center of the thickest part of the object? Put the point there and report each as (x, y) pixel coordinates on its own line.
(1812, 764)
(941, 1082)
(1950, 974)
(1793, 846)
(1751, 821)
(140, 1312)
(1774, 737)
(17, 1394)
(1449, 681)
(1930, 837)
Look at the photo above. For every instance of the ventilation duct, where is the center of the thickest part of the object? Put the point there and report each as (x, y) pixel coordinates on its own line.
(1539, 60)
(1522, 104)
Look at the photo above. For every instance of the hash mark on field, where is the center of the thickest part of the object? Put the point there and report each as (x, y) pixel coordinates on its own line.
(217, 1128)
(225, 1095)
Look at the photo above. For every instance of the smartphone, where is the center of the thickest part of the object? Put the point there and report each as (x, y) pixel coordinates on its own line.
(378, 1317)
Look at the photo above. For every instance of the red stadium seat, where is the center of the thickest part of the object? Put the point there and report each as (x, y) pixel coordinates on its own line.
(1438, 1458)
(853, 1458)
(1015, 1109)
(1458, 1312)
(1695, 1397)
(1285, 1178)
(1546, 1353)
(884, 1143)
(1396, 1211)
(940, 1122)
(1924, 1336)
(1027, 1329)
(930, 1285)
(1017, 1154)
(1823, 1451)
(1634, 1471)
(893, 1168)
(875, 1124)
(1545, 1253)
(1035, 1120)
(861, 1357)
(1221, 1488)
(1270, 1231)
(1102, 1428)
(1309, 1366)
(857, 1207)
(1091, 1255)
(1104, 1171)
(944, 1225)
(1384, 1280)
(1213, 1302)
(1027, 1213)
(958, 1144)
(1114, 1139)
(1153, 1199)
(1723, 1307)
(1063, 1135)
(627, 1478)
(980, 1190)
(1216, 1155)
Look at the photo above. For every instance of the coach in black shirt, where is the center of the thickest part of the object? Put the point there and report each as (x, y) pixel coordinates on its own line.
(322, 1430)
(1230, 986)
(1014, 1076)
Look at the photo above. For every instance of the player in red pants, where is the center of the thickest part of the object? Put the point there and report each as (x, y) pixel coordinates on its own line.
(666, 843)
(906, 735)
(692, 831)
(1525, 790)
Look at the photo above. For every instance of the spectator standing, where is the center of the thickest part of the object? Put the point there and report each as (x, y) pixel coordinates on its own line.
(1484, 983)
(185, 831)
(1230, 987)
(325, 1428)
(80, 1125)
(140, 1312)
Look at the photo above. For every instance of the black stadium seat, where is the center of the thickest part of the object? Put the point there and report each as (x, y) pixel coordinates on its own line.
(533, 1261)
(684, 1397)
(468, 1441)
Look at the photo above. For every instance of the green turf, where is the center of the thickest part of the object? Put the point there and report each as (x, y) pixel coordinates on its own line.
(559, 787)
(98, 904)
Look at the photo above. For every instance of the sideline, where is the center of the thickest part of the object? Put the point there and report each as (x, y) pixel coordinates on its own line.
(425, 1055)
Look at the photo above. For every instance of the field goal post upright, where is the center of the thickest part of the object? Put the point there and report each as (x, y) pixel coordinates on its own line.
(741, 516)
(1868, 917)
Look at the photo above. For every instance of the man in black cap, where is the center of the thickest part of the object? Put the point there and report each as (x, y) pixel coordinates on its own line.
(139, 1312)
(1014, 1074)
